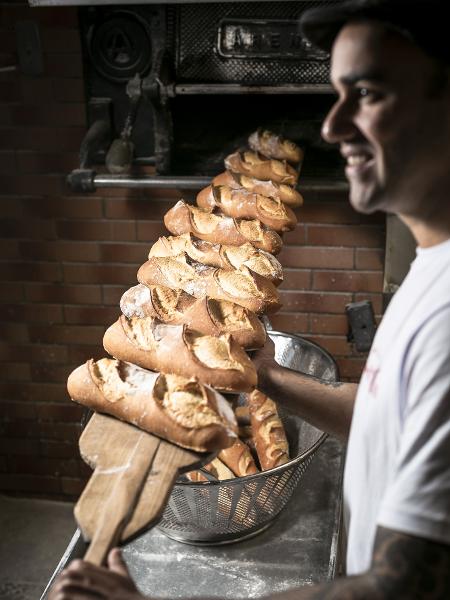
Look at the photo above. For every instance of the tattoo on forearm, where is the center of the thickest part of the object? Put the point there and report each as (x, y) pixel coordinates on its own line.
(404, 567)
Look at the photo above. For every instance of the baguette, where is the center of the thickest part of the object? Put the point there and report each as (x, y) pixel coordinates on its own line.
(182, 411)
(278, 191)
(217, 470)
(275, 146)
(238, 458)
(184, 218)
(206, 315)
(220, 255)
(239, 203)
(242, 287)
(270, 438)
(216, 361)
(255, 165)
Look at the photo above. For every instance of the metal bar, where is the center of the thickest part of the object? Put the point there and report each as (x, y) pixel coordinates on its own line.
(124, 181)
(197, 182)
(234, 89)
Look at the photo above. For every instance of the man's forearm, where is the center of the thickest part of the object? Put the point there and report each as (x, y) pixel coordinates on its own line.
(328, 406)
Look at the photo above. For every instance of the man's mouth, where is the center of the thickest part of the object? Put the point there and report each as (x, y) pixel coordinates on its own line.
(357, 163)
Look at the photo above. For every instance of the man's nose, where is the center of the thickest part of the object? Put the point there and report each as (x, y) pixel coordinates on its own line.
(338, 125)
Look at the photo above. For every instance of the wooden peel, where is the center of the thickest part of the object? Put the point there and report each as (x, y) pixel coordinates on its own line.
(134, 472)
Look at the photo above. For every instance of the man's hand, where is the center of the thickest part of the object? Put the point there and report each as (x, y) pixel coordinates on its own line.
(84, 581)
(265, 357)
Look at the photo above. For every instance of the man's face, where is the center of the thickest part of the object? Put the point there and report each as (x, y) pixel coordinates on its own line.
(393, 128)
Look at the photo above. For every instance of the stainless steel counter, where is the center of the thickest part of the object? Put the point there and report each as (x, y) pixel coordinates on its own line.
(300, 548)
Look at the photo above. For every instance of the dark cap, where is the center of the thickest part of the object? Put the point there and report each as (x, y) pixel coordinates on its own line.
(423, 22)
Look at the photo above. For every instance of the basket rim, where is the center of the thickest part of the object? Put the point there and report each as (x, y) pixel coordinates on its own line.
(237, 480)
(294, 461)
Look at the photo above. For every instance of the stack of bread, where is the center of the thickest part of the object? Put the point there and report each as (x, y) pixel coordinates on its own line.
(185, 329)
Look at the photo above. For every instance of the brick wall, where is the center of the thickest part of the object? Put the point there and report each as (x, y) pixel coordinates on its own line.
(65, 261)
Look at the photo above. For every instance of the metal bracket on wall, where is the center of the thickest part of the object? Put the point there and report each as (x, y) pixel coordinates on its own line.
(362, 326)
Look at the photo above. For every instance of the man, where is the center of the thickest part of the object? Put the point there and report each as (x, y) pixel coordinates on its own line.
(391, 119)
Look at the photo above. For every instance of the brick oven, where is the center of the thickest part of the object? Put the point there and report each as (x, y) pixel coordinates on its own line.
(67, 256)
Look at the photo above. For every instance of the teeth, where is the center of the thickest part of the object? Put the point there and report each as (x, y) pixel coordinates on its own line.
(356, 159)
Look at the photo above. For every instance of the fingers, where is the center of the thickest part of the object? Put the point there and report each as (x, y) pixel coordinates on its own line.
(116, 563)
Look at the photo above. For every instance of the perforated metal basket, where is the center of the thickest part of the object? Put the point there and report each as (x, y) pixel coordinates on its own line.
(221, 512)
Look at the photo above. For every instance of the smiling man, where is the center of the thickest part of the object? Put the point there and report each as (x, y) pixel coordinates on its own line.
(391, 120)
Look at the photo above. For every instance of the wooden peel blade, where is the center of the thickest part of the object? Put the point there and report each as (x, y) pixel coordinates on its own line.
(134, 472)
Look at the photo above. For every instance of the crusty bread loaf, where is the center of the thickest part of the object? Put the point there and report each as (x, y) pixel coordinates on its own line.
(220, 255)
(217, 469)
(205, 315)
(275, 146)
(239, 203)
(238, 458)
(260, 167)
(279, 191)
(180, 410)
(241, 287)
(268, 431)
(216, 361)
(184, 218)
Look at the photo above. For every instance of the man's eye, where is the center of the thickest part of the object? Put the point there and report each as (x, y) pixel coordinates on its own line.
(364, 92)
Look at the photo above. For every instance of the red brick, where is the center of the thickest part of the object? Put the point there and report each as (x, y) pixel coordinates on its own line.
(33, 229)
(68, 90)
(72, 487)
(369, 260)
(33, 184)
(44, 139)
(347, 281)
(294, 279)
(333, 213)
(137, 208)
(43, 430)
(120, 253)
(35, 162)
(150, 231)
(50, 114)
(32, 271)
(81, 353)
(71, 294)
(70, 207)
(71, 334)
(33, 88)
(91, 315)
(44, 466)
(314, 302)
(3, 465)
(19, 446)
(60, 251)
(29, 313)
(10, 207)
(96, 230)
(315, 257)
(87, 273)
(329, 324)
(47, 372)
(11, 482)
(291, 322)
(18, 410)
(9, 249)
(13, 292)
(10, 91)
(376, 299)
(113, 293)
(351, 368)
(15, 332)
(333, 344)
(58, 449)
(30, 392)
(61, 41)
(8, 162)
(19, 371)
(67, 412)
(296, 237)
(64, 65)
(350, 235)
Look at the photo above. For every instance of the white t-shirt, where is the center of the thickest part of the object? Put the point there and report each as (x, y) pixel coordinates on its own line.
(397, 472)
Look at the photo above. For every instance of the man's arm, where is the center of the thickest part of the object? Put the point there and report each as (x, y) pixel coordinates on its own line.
(404, 567)
(327, 406)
